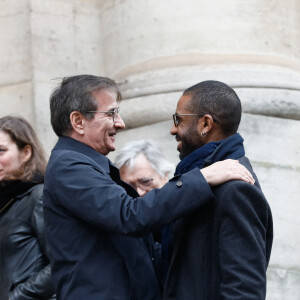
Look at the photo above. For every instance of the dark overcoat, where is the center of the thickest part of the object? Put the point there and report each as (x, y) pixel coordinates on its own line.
(87, 215)
(222, 251)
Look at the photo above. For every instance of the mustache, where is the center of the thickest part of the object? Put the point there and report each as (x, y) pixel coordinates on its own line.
(178, 138)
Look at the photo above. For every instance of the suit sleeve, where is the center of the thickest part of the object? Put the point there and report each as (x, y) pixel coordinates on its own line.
(39, 285)
(243, 221)
(95, 198)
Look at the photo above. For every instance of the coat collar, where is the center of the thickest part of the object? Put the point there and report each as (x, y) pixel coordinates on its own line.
(231, 147)
(67, 143)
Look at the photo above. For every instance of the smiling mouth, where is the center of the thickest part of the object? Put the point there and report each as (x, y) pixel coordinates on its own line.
(179, 141)
(112, 135)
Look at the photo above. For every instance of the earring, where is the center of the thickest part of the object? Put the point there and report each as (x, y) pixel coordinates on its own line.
(203, 133)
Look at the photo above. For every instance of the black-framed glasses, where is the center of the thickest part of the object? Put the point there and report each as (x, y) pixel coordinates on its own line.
(111, 113)
(176, 119)
(143, 183)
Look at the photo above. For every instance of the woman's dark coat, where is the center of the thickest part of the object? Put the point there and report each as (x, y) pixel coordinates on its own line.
(24, 267)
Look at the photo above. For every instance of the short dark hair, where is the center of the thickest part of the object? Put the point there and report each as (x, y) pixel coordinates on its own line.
(22, 134)
(219, 100)
(75, 93)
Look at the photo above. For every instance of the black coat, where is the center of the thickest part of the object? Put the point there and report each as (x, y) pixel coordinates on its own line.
(222, 251)
(88, 212)
(24, 267)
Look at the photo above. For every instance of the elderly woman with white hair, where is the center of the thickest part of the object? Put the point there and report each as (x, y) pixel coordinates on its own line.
(143, 166)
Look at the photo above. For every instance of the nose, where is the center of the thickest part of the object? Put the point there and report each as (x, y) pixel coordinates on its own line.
(173, 130)
(119, 123)
(141, 191)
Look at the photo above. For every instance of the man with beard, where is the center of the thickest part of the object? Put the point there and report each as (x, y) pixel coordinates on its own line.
(221, 251)
(89, 211)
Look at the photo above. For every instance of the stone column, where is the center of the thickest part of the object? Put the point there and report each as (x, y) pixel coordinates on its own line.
(41, 42)
(15, 59)
(156, 49)
(65, 40)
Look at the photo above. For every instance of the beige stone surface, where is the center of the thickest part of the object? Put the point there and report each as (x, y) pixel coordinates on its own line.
(283, 284)
(156, 49)
(72, 44)
(156, 30)
(15, 37)
(16, 99)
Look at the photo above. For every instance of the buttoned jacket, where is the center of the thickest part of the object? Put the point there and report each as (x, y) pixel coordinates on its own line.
(88, 212)
(222, 250)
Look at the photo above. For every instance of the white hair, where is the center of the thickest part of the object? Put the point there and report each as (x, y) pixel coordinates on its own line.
(127, 155)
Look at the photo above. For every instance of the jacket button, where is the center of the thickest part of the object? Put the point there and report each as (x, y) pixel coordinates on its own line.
(179, 183)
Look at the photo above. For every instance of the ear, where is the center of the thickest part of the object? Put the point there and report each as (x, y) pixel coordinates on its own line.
(27, 153)
(77, 123)
(205, 125)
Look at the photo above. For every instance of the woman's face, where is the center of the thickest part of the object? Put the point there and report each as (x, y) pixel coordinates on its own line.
(11, 158)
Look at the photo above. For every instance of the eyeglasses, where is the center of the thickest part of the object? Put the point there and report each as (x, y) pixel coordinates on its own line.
(143, 183)
(177, 121)
(111, 113)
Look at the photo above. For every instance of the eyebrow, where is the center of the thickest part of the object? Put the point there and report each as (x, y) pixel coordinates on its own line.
(113, 108)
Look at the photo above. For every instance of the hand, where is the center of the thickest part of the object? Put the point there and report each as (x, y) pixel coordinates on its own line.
(226, 170)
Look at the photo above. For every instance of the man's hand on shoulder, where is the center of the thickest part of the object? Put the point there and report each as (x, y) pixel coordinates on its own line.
(226, 170)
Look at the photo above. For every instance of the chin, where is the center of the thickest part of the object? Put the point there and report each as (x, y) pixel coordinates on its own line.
(110, 149)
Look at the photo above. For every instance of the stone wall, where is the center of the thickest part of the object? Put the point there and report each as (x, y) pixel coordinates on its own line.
(155, 49)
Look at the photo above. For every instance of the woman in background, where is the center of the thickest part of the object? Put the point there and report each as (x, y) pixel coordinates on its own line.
(24, 266)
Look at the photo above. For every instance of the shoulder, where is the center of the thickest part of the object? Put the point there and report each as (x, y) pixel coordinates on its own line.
(241, 198)
(35, 194)
(31, 199)
(67, 157)
(63, 162)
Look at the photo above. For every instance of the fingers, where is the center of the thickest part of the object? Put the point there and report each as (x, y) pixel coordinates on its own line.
(226, 170)
(242, 173)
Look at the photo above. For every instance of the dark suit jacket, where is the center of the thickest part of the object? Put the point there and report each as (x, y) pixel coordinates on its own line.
(87, 213)
(222, 251)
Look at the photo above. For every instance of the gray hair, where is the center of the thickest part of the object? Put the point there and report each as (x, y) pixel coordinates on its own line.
(76, 93)
(127, 155)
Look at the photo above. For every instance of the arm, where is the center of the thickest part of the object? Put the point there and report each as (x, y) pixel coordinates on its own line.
(243, 216)
(82, 189)
(39, 285)
(77, 184)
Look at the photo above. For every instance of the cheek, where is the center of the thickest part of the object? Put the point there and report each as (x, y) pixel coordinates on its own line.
(14, 162)
(4, 160)
(184, 136)
(7, 163)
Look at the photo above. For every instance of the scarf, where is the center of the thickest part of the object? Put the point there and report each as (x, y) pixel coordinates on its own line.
(231, 147)
(197, 158)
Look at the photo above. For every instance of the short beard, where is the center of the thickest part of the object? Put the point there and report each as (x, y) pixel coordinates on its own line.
(190, 141)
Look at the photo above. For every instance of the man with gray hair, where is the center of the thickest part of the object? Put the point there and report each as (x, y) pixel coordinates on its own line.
(143, 166)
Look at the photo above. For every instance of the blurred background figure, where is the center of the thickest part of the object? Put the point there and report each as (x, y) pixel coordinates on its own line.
(143, 166)
(24, 266)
